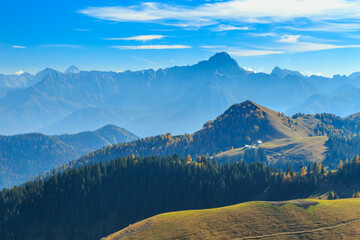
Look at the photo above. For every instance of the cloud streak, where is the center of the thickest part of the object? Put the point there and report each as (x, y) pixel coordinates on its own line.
(289, 39)
(18, 46)
(223, 27)
(82, 29)
(251, 11)
(253, 52)
(213, 46)
(60, 46)
(150, 47)
(241, 52)
(143, 38)
(326, 27)
(291, 47)
(311, 47)
(145, 60)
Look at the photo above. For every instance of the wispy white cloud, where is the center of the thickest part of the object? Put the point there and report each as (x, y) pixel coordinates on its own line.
(289, 38)
(213, 46)
(145, 60)
(60, 46)
(19, 72)
(233, 10)
(17, 46)
(270, 34)
(223, 27)
(289, 47)
(242, 52)
(253, 52)
(157, 47)
(82, 29)
(143, 38)
(325, 27)
(310, 47)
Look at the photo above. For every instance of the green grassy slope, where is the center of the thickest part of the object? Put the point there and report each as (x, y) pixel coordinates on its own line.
(297, 219)
(299, 148)
(292, 128)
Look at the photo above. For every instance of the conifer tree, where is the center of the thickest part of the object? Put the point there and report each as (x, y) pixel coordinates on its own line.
(358, 194)
(341, 165)
(188, 159)
(303, 171)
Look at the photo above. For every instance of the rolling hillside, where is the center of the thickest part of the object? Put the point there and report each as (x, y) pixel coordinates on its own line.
(22, 157)
(286, 149)
(297, 219)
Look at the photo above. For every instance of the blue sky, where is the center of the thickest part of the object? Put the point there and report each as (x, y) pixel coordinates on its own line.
(311, 36)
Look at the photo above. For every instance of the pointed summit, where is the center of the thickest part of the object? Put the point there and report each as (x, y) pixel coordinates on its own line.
(72, 69)
(245, 123)
(221, 56)
(246, 108)
(276, 70)
(223, 59)
(221, 62)
(281, 73)
(47, 71)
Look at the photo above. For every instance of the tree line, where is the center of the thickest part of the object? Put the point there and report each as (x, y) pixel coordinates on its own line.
(95, 200)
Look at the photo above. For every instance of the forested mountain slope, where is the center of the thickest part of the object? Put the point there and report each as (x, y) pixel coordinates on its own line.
(241, 124)
(90, 140)
(99, 199)
(25, 156)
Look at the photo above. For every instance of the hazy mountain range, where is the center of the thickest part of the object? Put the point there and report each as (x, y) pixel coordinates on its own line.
(26, 155)
(176, 99)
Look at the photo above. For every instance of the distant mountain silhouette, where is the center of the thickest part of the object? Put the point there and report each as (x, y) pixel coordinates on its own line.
(284, 72)
(27, 155)
(176, 99)
(90, 118)
(72, 69)
(346, 102)
(15, 81)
